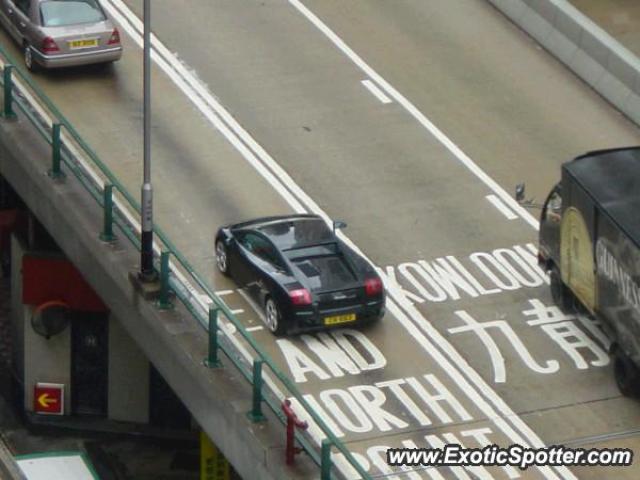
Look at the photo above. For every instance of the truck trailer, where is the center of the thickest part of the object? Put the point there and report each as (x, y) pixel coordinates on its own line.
(590, 246)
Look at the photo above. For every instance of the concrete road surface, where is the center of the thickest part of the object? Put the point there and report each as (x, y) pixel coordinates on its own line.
(412, 121)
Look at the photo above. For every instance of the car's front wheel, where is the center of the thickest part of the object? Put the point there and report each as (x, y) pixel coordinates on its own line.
(29, 61)
(273, 317)
(626, 374)
(222, 259)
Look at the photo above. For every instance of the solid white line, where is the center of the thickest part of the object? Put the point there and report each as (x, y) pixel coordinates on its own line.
(258, 311)
(284, 185)
(376, 91)
(506, 211)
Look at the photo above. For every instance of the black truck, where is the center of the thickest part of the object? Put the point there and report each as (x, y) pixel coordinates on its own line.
(590, 246)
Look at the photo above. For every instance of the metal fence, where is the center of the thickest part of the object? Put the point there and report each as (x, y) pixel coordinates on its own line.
(70, 154)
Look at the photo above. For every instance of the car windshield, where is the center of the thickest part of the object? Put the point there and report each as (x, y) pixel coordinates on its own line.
(59, 13)
(298, 232)
(330, 248)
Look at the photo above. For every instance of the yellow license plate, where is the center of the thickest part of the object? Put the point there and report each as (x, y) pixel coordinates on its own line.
(340, 319)
(93, 42)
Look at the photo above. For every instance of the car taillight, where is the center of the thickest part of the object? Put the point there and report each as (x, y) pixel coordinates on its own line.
(300, 296)
(373, 286)
(114, 39)
(49, 45)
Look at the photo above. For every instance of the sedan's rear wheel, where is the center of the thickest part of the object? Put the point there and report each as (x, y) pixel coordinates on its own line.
(273, 317)
(29, 62)
(222, 260)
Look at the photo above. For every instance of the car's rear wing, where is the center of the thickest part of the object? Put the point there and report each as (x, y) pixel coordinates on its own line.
(273, 219)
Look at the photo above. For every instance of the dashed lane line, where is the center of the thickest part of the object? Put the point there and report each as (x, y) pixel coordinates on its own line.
(375, 91)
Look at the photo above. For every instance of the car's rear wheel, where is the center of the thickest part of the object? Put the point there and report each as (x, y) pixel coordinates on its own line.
(222, 259)
(273, 317)
(29, 61)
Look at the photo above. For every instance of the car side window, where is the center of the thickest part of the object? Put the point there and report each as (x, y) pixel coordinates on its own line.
(262, 248)
(23, 6)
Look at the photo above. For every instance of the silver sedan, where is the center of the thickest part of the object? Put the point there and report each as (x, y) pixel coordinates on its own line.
(61, 33)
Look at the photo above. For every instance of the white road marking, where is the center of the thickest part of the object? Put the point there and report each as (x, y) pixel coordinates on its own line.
(237, 311)
(222, 293)
(506, 211)
(497, 359)
(253, 305)
(296, 197)
(376, 91)
(254, 329)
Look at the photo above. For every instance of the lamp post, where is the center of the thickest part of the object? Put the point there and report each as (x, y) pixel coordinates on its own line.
(147, 272)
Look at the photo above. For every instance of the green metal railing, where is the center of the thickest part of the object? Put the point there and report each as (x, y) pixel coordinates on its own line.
(177, 275)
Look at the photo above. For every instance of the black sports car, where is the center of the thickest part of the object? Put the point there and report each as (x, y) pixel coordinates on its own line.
(300, 272)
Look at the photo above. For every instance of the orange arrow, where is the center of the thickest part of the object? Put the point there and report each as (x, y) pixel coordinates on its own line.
(45, 401)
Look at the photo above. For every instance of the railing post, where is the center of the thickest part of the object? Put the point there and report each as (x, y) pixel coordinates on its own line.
(107, 232)
(256, 412)
(164, 303)
(8, 112)
(212, 360)
(325, 460)
(293, 422)
(56, 145)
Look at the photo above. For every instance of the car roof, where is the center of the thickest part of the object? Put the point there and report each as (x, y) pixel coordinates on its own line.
(292, 231)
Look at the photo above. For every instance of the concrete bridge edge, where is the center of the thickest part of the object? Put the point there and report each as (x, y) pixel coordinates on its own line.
(218, 399)
(590, 52)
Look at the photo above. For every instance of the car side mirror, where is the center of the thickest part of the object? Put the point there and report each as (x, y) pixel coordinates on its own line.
(520, 192)
(338, 224)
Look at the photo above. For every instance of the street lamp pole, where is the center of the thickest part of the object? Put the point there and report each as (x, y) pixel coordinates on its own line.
(147, 272)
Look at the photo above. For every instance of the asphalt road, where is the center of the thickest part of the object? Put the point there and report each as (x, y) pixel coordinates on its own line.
(411, 121)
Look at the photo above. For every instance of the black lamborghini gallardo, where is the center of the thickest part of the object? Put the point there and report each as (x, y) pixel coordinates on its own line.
(300, 272)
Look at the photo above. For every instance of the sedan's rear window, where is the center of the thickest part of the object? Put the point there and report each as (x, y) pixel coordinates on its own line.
(59, 13)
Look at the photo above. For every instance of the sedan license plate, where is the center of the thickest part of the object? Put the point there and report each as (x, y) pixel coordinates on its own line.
(84, 43)
(351, 317)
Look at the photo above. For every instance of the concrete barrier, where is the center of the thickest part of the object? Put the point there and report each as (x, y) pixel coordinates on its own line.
(9, 469)
(590, 52)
